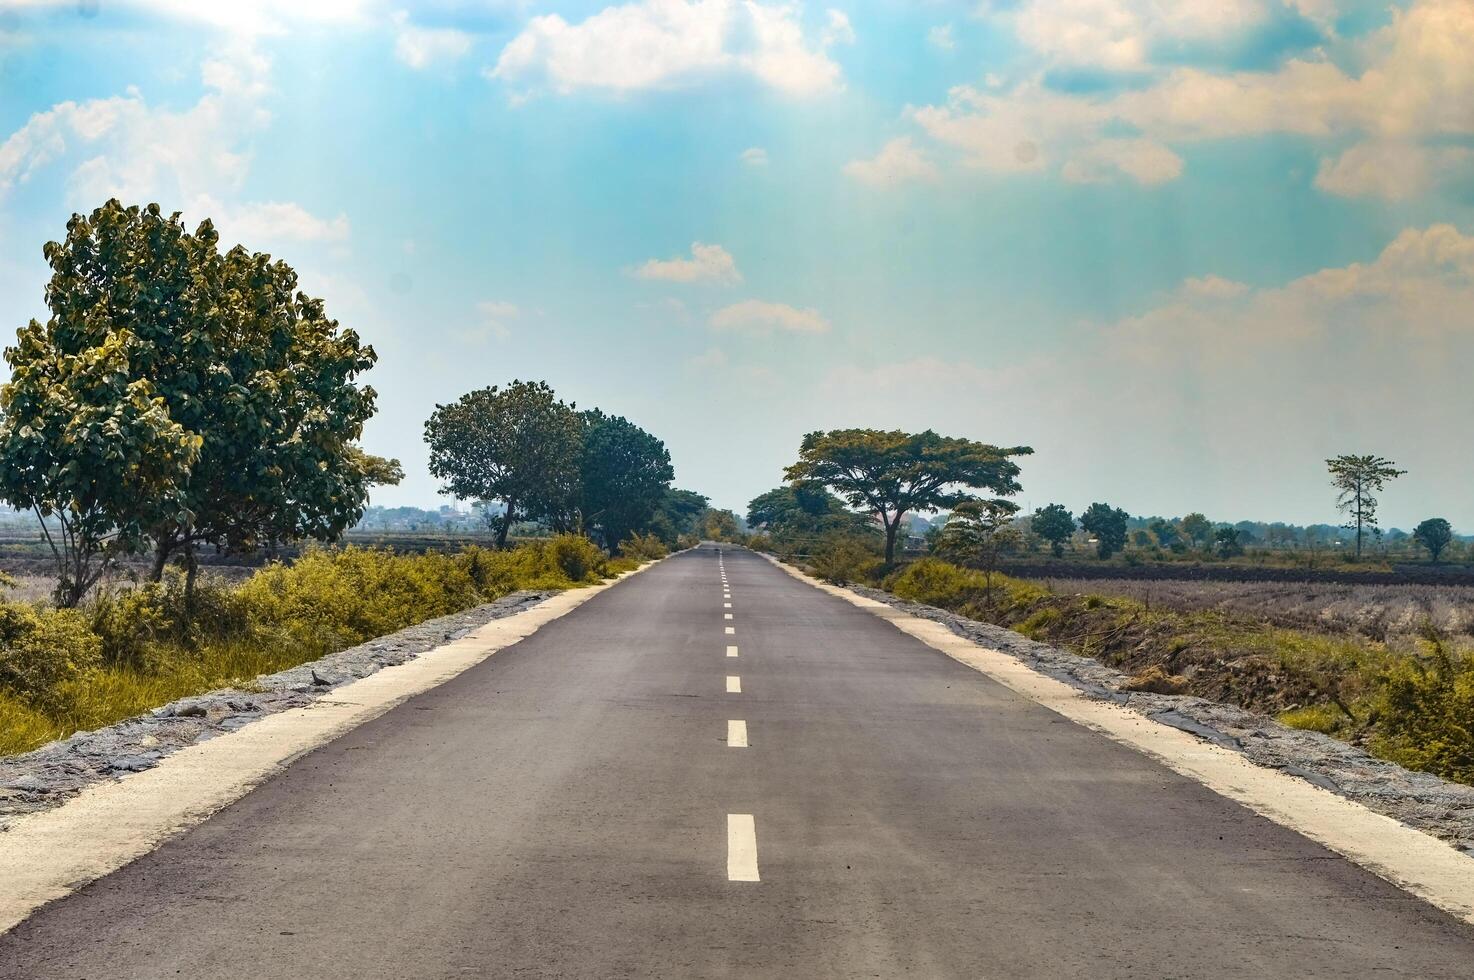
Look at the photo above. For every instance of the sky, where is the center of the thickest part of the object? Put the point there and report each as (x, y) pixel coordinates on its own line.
(1185, 249)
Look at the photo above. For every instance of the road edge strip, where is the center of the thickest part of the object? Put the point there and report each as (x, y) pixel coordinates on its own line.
(1414, 861)
(48, 855)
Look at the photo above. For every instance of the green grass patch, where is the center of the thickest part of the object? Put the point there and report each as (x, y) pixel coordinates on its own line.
(127, 652)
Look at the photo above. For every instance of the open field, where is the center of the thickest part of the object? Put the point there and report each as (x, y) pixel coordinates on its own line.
(1378, 612)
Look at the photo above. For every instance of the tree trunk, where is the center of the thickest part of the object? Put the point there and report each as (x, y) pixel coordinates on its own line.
(890, 539)
(162, 551)
(506, 525)
(192, 569)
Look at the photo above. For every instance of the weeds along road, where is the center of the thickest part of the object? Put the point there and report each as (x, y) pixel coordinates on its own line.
(714, 769)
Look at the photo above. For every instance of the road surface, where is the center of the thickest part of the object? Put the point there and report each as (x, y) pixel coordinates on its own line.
(646, 788)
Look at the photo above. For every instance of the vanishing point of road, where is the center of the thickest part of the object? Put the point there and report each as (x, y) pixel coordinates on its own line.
(715, 770)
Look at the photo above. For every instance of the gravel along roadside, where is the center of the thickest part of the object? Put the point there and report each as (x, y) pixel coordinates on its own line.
(51, 775)
(1420, 800)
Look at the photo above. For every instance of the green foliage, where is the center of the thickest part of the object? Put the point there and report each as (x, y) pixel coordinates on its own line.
(575, 556)
(1054, 523)
(134, 649)
(978, 532)
(721, 525)
(679, 519)
(797, 517)
(844, 558)
(1226, 543)
(135, 626)
(624, 472)
(1108, 524)
(643, 547)
(1426, 714)
(328, 599)
(1357, 479)
(517, 444)
(41, 650)
(1434, 534)
(894, 473)
(936, 583)
(181, 395)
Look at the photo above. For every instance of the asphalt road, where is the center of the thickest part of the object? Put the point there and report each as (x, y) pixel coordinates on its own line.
(572, 807)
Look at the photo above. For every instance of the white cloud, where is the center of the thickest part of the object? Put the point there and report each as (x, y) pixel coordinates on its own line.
(940, 37)
(492, 322)
(1121, 34)
(708, 263)
(192, 160)
(755, 156)
(270, 221)
(420, 47)
(657, 44)
(244, 18)
(1145, 161)
(1391, 170)
(1417, 81)
(838, 29)
(897, 162)
(712, 357)
(758, 317)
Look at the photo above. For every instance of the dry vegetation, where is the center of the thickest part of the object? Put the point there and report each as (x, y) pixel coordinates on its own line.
(1388, 668)
(1377, 612)
(132, 649)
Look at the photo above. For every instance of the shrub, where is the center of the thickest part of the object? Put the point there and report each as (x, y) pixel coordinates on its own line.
(643, 547)
(1426, 714)
(937, 583)
(133, 624)
(328, 599)
(844, 558)
(40, 651)
(578, 558)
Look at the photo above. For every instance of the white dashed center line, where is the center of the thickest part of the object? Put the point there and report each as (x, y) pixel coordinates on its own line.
(730, 631)
(741, 847)
(737, 734)
(726, 615)
(731, 651)
(734, 684)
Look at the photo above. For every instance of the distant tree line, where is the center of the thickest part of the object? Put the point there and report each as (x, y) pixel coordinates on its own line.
(524, 455)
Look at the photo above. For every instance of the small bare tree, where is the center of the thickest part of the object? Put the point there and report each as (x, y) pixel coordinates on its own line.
(1358, 478)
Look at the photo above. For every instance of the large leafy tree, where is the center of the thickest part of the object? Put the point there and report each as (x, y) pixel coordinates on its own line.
(894, 473)
(1197, 529)
(1108, 524)
(796, 516)
(251, 371)
(1357, 480)
(519, 445)
(681, 513)
(625, 472)
(1434, 534)
(92, 452)
(1054, 523)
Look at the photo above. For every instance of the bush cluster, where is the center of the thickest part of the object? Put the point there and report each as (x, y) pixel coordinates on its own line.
(129, 650)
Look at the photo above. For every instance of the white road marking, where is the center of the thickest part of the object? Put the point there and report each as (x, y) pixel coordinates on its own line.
(726, 615)
(741, 847)
(737, 734)
(731, 651)
(1408, 858)
(730, 631)
(734, 684)
(726, 605)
